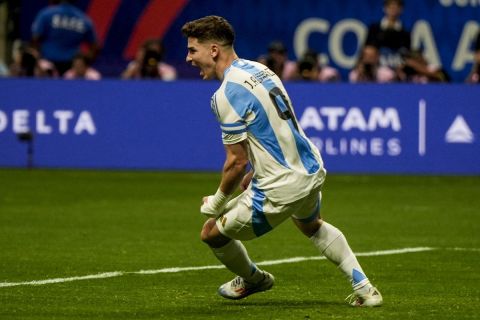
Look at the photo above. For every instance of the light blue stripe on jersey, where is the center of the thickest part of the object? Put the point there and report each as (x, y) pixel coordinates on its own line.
(243, 101)
(259, 221)
(304, 150)
(233, 128)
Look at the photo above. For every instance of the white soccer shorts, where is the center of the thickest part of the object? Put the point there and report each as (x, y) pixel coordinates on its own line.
(247, 216)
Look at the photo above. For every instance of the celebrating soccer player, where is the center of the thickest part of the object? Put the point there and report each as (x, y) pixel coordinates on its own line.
(259, 129)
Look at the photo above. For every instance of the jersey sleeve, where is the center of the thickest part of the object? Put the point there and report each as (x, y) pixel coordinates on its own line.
(234, 128)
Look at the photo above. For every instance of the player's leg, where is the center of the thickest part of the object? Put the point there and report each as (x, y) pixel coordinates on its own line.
(332, 244)
(234, 256)
(230, 252)
(211, 236)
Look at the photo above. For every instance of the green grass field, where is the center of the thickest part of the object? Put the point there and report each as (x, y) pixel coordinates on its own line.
(61, 224)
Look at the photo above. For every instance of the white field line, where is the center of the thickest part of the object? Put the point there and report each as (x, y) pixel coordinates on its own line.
(464, 249)
(183, 269)
(358, 254)
(60, 280)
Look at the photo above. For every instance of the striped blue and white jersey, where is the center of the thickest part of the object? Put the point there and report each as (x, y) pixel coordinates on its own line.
(252, 104)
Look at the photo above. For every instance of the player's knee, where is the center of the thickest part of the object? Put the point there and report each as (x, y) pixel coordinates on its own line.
(206, 237)
(310, 228)
(203, 235)
(212, 240)
(207, 227)
(212, 236)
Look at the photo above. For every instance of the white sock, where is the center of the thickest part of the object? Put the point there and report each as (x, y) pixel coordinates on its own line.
(235, 257)
(332, 244)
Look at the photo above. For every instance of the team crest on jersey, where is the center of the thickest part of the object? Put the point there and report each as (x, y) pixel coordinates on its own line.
(213, 105)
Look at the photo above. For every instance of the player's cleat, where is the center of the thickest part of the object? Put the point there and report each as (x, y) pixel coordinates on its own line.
(238, 288)
(372, 298)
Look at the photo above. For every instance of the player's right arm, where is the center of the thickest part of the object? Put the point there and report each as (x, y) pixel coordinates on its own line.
(233, 172)
(234, 137)
(235, 165)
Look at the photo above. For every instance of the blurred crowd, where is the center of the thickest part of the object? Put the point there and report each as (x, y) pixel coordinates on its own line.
(64, 45)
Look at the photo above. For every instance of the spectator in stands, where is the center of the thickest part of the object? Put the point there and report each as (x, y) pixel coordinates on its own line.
(81, 69)
(474, 76)
(369, 69)
(3, 69)
(59, 30)
(28, 63)
(389, 34)
(309, 68)
(416, 69)
(277, 60)
(148, 63)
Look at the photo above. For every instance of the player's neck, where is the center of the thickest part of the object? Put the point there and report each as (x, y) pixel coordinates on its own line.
(224, 62)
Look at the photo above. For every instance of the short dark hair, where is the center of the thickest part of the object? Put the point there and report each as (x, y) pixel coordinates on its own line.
(210, 28)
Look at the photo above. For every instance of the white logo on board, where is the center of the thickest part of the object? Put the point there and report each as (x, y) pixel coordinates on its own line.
(459, 132)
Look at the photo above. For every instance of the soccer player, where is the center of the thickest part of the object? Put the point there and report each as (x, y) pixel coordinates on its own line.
(259, 129)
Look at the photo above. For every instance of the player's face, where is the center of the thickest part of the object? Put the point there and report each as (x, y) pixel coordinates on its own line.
(200, 55)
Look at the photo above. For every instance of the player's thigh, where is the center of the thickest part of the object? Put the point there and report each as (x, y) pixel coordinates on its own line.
(244, 221)
(236, 222)
(307, 214)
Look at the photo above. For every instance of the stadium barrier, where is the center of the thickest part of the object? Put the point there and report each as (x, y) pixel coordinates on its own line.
(114, 124)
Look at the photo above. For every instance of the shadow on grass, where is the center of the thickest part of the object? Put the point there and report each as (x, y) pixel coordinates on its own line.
(276, 308)
(284, 303)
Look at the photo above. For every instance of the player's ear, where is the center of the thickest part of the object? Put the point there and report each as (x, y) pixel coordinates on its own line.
(214, 50)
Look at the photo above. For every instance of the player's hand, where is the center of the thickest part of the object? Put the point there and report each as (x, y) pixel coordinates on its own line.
(207, 208)
(213, 206)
